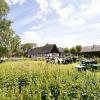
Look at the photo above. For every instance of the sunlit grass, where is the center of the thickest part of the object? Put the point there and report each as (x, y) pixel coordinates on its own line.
(36, 80)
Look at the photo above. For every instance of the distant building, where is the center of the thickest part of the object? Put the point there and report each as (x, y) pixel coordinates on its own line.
(61, 52)
(49, 50)
(91, 51)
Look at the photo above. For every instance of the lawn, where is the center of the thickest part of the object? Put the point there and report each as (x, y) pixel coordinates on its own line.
(36, 80)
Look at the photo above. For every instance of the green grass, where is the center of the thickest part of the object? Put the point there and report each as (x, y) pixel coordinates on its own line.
(36, 80)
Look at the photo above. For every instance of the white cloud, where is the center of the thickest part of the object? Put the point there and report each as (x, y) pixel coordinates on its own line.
(56, 4)
(30, 36)
(71, 17)
(38, 16)
(68, 14)
(91, 9)
(88, 11)
(43, 9)
(83, 35)
(37, 27)
(13, 2)
(74, 22)
(65, 12)
(77, 24)
(43, 5)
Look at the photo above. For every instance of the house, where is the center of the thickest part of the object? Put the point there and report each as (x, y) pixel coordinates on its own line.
(91, 51)
(49, 50)
(61, 52)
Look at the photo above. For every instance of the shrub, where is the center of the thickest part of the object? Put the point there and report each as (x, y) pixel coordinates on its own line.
(29, 80)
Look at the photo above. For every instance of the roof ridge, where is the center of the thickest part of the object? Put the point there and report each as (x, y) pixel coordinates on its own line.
(92, 46)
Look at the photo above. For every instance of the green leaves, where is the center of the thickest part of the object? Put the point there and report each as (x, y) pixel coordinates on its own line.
(66, 51)
(6, 34)
(29, 80)
(9, 41)
(26, 47)
(4, 8)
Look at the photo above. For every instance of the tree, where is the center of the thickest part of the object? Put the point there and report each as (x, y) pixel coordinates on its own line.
(7, 35)
(15, 44)
(78, 49)
(4, 8)
(73, 50)
(27, 46)
(66, 51)
(5, 30)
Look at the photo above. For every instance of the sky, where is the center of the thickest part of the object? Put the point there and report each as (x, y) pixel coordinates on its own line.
(63, 22)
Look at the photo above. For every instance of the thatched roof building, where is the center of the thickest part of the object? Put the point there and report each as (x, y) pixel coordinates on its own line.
(91, 51)
(61, 52)
(94, 48)
(45, 51)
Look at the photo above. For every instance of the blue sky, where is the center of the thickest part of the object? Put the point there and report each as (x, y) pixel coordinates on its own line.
(62, 22)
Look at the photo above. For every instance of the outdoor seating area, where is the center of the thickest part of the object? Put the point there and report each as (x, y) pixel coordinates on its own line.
(91, 65)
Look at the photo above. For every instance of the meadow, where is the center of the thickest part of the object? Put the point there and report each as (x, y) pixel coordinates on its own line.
(36, 80)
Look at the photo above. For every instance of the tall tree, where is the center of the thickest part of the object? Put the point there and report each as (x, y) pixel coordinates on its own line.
(7, 34)
(78, 49)
(27, 46)
(15, 44)
(66, 51)
(4, 8)
(73, 50)
(4, 28)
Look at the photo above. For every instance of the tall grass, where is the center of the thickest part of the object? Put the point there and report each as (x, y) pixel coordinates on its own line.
(29, 80)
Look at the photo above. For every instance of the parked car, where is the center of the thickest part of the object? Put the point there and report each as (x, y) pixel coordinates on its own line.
(88, 64)
(67, 60)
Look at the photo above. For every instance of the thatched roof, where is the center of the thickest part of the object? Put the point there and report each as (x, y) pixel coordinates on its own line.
(49, 48)
(94, 48)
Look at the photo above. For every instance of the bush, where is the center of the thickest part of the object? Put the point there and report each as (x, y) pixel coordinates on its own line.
(29, 80)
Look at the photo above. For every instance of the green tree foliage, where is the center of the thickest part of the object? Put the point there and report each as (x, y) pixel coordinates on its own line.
(78, 48)
(8, 40)
(66, 51)
(6, 34)
(3, 11)
(4, 8)
(15, 45)
(27, 46)
(73, 50)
